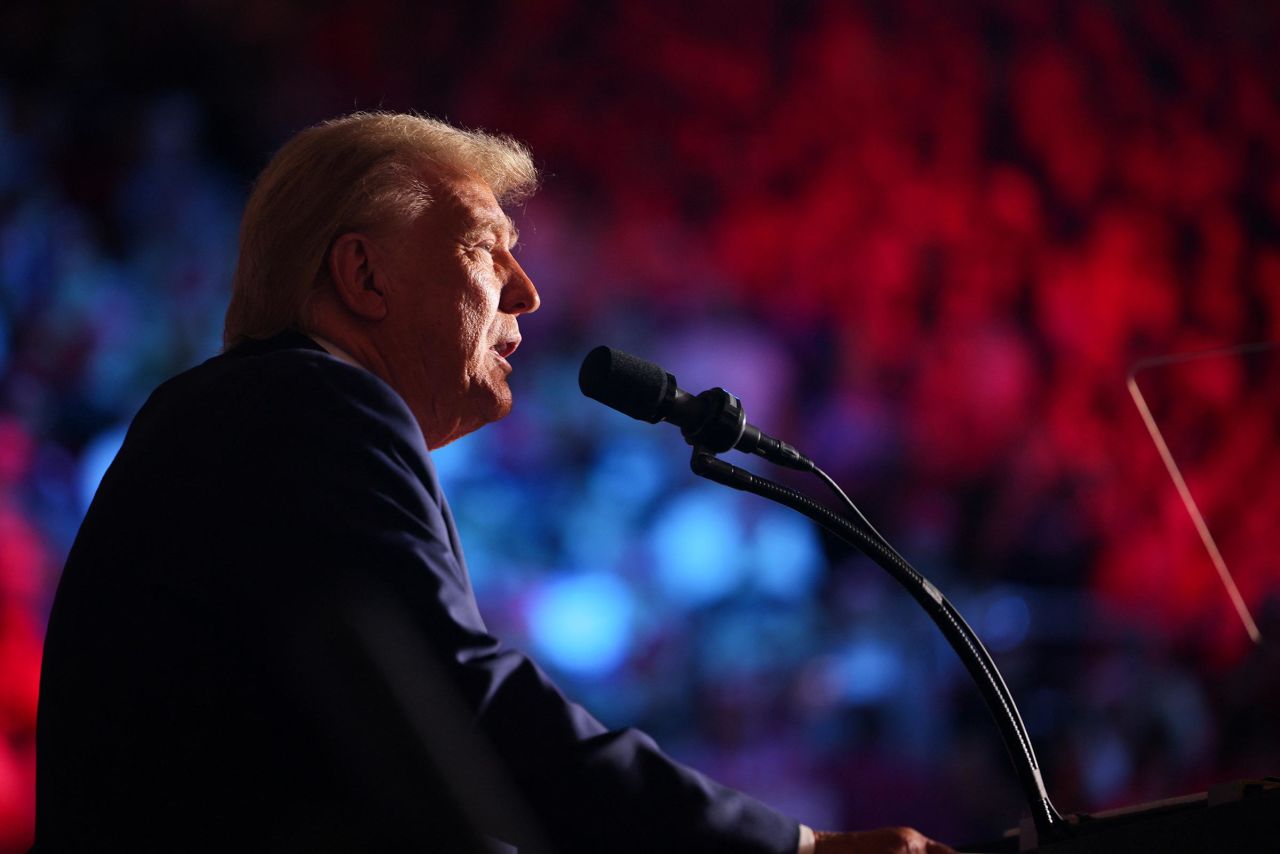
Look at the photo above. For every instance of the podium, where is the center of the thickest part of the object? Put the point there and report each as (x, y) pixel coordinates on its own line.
(1241, 817)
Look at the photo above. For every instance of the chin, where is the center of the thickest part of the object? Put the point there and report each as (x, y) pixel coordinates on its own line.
(493, 406)
(498, 400)
(501, 408)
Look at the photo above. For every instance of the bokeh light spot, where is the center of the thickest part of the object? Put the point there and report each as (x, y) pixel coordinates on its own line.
(697, 546)
(583, 623)
(96, 459)
(1006, 622)
(787, 555)
(866, 671)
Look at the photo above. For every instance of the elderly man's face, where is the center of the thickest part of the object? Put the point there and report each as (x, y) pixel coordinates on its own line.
(453, 292)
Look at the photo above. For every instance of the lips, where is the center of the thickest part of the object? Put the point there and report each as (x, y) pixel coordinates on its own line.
(506, 348)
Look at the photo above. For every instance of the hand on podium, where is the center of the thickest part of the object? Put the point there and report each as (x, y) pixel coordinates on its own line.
(886, 840)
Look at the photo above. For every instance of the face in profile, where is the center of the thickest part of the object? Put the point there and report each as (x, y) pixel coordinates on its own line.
(454, 294)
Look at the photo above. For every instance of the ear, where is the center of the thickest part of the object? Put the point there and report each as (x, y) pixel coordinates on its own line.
(356, 273)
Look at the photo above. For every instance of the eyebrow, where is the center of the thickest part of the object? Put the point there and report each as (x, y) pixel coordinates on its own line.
(497, 226)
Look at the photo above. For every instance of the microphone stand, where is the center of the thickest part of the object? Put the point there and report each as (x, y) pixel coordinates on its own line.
(1242, 816)
(719, 434)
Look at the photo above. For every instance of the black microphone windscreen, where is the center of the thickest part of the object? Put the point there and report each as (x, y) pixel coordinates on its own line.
(628, 384)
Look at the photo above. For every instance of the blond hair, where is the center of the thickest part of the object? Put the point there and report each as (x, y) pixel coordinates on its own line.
(353, 173)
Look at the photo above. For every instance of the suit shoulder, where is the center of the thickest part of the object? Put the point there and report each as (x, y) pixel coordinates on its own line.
(286, 384)
(311, 379)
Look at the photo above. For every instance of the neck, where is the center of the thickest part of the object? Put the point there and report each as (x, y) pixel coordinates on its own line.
(339, 334)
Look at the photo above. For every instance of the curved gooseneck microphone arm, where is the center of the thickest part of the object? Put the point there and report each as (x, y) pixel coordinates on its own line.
(713, 422)
(1049, 823)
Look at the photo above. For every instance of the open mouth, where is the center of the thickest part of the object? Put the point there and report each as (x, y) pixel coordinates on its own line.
(506, 348)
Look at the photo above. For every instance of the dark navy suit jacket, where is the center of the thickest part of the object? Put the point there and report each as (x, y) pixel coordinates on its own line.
(265, 639)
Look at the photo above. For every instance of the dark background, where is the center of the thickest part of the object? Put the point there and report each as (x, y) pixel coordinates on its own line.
(925, 241)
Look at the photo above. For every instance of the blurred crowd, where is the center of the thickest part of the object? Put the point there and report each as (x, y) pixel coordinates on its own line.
(925, 242)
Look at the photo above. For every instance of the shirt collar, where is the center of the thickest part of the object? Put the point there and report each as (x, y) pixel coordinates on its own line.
(334, 350)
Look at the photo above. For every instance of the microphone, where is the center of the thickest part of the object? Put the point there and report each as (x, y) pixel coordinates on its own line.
(713, 420)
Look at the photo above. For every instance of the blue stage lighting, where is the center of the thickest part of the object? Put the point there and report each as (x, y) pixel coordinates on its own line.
(786, 555)
(697, 548)
(583, 623)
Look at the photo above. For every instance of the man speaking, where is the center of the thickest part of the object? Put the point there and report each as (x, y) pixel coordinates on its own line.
(265, 637)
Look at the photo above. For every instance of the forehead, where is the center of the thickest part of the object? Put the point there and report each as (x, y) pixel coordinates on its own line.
(469, 203)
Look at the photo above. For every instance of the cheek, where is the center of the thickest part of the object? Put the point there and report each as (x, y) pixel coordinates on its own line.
(474, 322)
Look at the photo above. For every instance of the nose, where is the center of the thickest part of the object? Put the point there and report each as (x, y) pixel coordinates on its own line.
(519, 296)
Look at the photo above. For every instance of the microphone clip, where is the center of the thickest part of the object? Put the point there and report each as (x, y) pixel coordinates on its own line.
(715, 422)
(720, 423)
